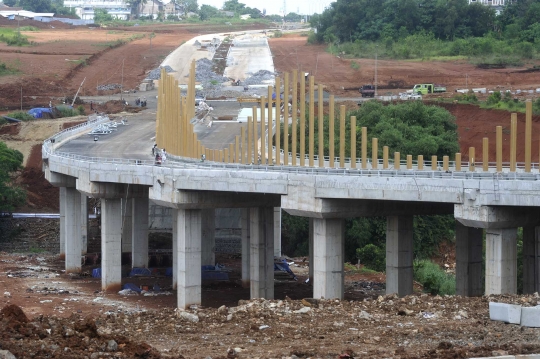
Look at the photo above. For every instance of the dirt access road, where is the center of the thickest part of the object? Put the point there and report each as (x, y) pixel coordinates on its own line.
(67, 316)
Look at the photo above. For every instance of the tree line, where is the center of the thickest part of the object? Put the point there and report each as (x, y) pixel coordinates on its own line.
(394, 20)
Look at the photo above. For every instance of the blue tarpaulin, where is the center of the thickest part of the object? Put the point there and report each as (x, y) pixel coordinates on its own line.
(96, 272)
(140, 272)
(39, 111)
(284, 267)
(131, 286)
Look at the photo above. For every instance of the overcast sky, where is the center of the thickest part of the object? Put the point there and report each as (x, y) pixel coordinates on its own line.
(276, 6)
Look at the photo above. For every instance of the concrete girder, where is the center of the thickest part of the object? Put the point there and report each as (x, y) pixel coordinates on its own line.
(348, 208)
(209, 199)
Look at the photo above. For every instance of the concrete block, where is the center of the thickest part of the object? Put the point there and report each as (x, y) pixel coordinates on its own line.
(508, 313)
(501, 357)
(527, 356)
(530, 317)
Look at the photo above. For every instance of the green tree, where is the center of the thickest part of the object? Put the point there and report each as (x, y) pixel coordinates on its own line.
(10, 2)
(102, 16)
(233, 5)
(11, 196)
(188, 6)
(207, 11)
(36, 5)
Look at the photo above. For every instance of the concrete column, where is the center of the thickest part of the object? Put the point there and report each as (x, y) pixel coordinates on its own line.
(328, 248)
(84, 223)
(501, 261)
(73, 243)
(139, 251)
(188, 228)
(262, 252)
(531, 260)
(62, 222)
(277, 231)
(469, 260)
(245, 247)
(174, 248)
(111, 244)
(399, 255)
(208, 232)
(310, 249)
(127, 225)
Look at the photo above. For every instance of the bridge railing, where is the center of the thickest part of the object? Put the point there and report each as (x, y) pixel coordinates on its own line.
(260, 142)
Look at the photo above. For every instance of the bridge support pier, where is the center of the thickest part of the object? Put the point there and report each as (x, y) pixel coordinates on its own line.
(127, 225)
(262, 252)
(63, 204)
(188, 258)
(501, 261)
(139, 251)
(111, 244)
(73, 230)
(328, 249)
(277, 231)
(208, 228)
(84, 223)
(531, 259)
(245, 247)
(469, 262)
(310, 250)
(399, 255)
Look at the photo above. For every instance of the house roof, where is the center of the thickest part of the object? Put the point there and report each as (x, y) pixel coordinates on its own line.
(24, 13)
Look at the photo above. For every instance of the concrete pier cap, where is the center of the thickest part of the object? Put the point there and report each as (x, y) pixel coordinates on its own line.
(496, 217)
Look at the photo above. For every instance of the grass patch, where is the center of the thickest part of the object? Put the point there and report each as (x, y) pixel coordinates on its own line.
(363, 270)
(28, 28)
(13, 37)
(433, 278)
(20, 115)
(5, 70)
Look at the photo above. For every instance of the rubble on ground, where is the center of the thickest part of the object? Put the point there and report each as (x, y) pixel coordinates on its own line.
(108, 87)
(260, 77)
(155, 74)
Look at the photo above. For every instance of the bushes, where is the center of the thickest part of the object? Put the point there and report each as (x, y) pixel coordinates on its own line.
(433, 278)
(372, 257)
(19, 115)
(66, 111)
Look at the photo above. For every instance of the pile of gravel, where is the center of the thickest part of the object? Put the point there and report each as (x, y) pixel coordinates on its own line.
(259, 78)
(204, 74)
(108, 87)
(155, 74)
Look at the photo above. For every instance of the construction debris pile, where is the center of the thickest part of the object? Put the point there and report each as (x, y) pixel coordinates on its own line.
(155, 74)
(108, 87)
(259, 77)
(205, 75)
